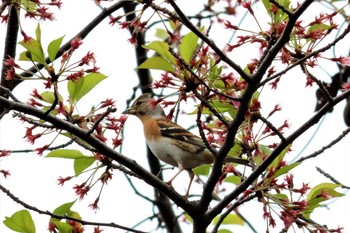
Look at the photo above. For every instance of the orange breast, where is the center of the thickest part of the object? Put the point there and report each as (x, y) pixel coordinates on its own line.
(151, 129)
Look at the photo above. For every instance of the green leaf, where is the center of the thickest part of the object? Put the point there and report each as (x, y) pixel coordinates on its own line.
(34, 51)
(279, 158)
(235, 151)
(23, 56)
(280, 15)
(188, 46)
(65, 154)
(49, 97)
(84, 85)
(75, 214)
(265, 151)
(220, 106)
(80, 164)
(157, 63)
(53, 48)
(324, 187)
(63, 227)
(233, 179)
(267, 5)
(21, 221)
(38, 33)
(162, 49)
(173, 25)
(230, 219)
(285, 169)
(315, 197)
(28, 5)
(188, 217)
(316, 27)
(64, 209)
(281, 197)
(224, 231)
(202, 170)
(161, 33)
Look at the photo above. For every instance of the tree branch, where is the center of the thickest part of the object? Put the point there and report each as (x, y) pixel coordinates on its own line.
(102, 149)
(208, 41)
(83, 222)
(283, 144)
(332, 143)
(162, 201)
(9, 50)
(82, 34)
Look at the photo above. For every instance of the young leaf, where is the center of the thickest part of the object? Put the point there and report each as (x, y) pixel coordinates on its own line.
(49, 97)
(318, 194)
(279, 15)
(79, 89)
(280, 197)
(38, 33)
(34, 51)
(233, 179)
(53, 48)
(173, 25)
(267, 5)
(188, 217)
(157, 63)
(64, 209)
(230, 219)
(161, 34)
(202, 170)
(324, 187)
(80, 164)
(279, 158)
(65, 154)
(162, 49)
(63, 227)
(285, 169)
(224, 231)
(235, 151)
(29, 5)
(188, 46)
(21, 221)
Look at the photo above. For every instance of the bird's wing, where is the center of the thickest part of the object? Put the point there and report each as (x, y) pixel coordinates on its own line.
(181, 135)
(189, 142)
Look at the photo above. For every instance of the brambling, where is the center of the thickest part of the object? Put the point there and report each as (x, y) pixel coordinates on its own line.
(170, 142)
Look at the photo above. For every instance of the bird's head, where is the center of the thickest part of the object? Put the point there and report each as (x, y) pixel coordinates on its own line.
(144, 105)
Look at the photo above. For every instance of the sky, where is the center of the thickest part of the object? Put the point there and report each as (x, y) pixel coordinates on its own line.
(34, 179)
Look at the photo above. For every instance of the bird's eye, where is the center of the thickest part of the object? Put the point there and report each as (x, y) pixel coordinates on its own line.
(138, 103)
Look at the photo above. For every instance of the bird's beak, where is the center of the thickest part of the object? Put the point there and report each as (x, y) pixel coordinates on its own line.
(129, 111)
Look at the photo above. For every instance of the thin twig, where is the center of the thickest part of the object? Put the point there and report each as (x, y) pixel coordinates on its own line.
(201, 132)
(32, 121)
(271, 126)
(137, 192)
(331, 177)
(230, 209)
(282, 8)
(64, 145)
(332, 143)
(208, 41)
(100, 119)
(319, 83)
(82, 34)
(301, 60)
(200, 97)
(83, 222)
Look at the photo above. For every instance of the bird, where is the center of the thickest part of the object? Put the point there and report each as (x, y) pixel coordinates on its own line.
(170, 142)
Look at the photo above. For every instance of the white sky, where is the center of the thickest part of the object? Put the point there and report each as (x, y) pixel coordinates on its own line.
(34, 179)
